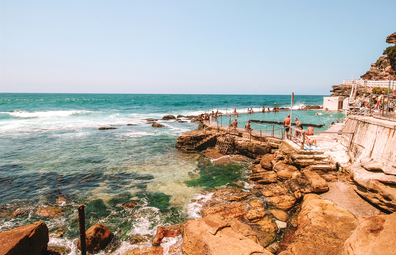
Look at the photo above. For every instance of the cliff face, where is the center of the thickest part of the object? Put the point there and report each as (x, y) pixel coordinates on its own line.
(345, 91)
(379, 70)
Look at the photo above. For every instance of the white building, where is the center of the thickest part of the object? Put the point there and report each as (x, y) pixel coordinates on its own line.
(333, 103)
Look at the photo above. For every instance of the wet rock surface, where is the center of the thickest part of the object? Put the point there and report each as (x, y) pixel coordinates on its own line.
(97, 238)
(31, 238)
(50, 211)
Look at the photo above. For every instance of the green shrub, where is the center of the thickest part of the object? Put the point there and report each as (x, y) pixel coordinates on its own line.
(378, 90)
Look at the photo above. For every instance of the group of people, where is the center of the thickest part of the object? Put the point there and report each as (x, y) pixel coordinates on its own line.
(250, 110)
(298, 133)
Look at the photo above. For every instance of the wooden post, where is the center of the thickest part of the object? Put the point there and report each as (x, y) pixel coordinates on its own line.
(303, 141)
(273, 130)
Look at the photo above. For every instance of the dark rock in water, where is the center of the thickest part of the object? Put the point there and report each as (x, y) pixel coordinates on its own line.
(50, 211)
(61, 200)
(58, 250)
(57, 233)
(105, 128)
(168, 117)
(97, 238)
(129, 204)
(180, 116)
(139, 239)
(129, 124)
(151, 119)
(181, 121)
(19, 213)
(30, 239)
(155, 124)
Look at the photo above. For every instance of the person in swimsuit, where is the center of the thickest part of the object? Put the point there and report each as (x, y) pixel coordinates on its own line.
(286, 125)
(235, 124)
(298, 123)
(247, 127)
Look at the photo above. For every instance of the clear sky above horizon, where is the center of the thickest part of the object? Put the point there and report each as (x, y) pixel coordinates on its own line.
(205, 47)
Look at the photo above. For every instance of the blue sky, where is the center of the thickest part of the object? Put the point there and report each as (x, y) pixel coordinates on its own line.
(205, 47)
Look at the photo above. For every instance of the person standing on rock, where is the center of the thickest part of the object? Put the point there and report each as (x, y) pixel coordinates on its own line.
(286, 125)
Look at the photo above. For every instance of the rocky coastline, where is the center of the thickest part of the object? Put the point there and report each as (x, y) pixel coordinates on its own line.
(293, 202)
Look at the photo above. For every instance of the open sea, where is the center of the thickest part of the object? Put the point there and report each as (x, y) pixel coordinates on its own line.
(50, 147)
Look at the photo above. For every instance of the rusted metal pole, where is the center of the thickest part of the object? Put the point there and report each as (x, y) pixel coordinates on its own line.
(81, 220)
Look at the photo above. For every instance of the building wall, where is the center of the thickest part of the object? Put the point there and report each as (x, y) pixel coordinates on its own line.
(332, 103)
(373, 138)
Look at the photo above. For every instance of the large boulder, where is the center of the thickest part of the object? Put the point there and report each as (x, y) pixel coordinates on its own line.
(266, 161)
(30, 239)
(317, 183)
(323, 228)
(284, 171)
(97, 238)
(214, 235)
(374, 235)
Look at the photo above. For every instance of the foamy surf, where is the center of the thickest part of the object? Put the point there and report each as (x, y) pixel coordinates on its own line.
(46, 114)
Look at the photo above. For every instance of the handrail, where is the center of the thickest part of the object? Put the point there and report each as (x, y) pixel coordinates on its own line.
(303, 133)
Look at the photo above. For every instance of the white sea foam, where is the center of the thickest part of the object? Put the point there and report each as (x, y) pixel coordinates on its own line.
(168, 242)
(194, 208)
(46, 114)
(136, 134)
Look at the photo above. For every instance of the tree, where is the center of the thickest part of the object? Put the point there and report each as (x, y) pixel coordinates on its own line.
(390, 53)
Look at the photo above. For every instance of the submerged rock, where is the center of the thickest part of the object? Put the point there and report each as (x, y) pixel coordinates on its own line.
(280, 215)
(50, 211)
(105, 128)
(139, 239)
(97, 238)
(129, 204)
(30, 239)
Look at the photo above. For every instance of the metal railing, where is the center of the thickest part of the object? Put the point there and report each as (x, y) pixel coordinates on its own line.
(371, 84)
(303, 133)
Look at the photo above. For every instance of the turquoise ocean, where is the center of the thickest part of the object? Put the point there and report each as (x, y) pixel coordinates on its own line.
(50, 147)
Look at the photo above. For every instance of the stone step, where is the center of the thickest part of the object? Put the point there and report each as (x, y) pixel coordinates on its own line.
(307, 162)
(323, 167)
(311, 156)
(274, 140)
